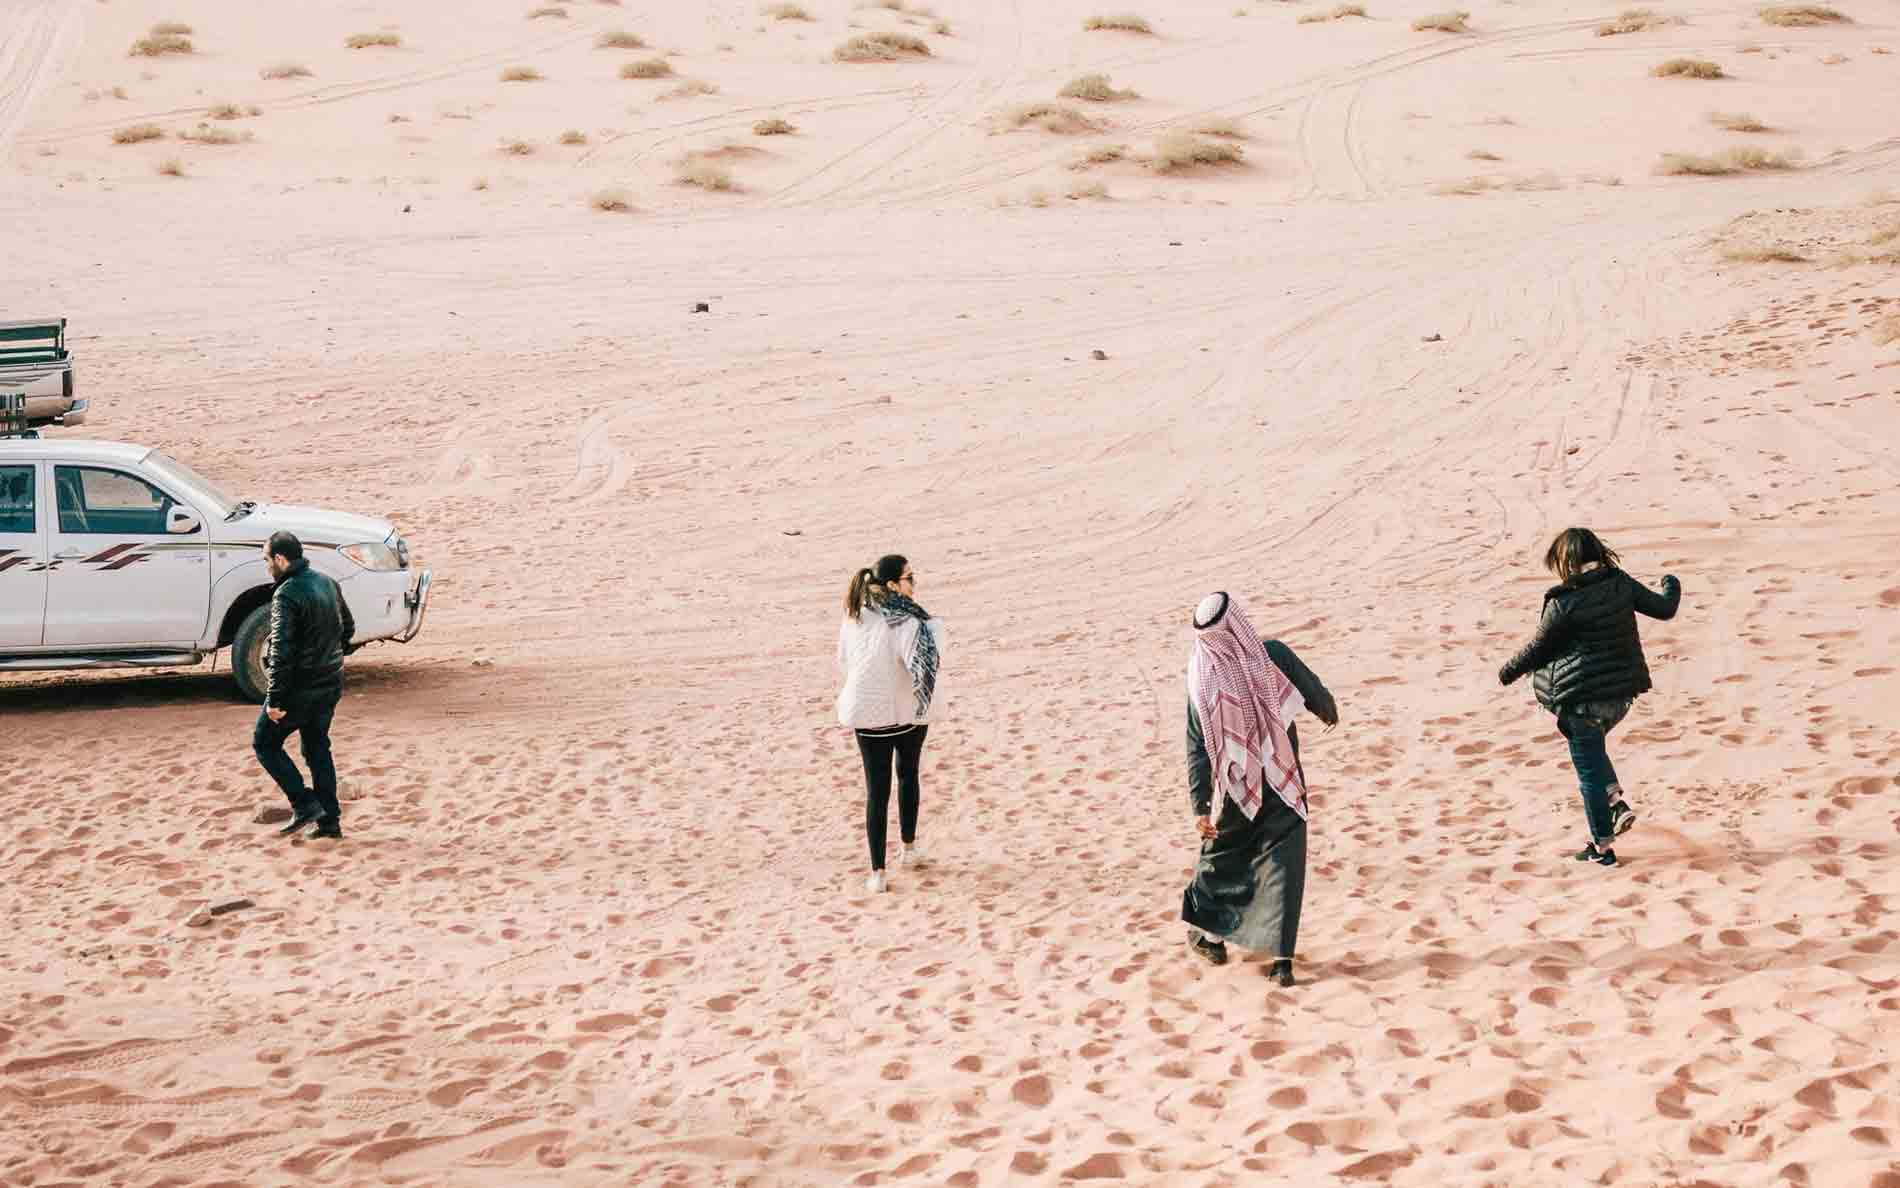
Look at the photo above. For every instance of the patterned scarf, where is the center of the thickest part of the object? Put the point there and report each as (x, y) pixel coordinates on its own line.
(922, 661)
(1244, 701)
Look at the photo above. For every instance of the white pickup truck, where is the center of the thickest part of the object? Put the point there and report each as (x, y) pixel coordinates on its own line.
(115, 555)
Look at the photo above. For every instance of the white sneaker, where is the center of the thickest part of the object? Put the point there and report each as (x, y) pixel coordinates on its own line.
(910, 855)
(875, 882)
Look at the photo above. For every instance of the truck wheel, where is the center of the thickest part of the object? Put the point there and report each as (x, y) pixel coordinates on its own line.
(247, 654)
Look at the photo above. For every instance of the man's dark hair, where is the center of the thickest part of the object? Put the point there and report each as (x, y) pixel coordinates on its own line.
(286, 545)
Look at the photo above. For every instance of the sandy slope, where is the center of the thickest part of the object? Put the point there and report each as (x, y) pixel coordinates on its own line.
(599, 917)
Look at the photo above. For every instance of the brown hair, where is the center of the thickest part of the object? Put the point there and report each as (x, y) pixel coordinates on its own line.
(865, 582)
(1574, 549)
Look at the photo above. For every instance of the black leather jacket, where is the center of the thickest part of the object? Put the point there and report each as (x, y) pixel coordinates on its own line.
(1587, 647)
(310, 628)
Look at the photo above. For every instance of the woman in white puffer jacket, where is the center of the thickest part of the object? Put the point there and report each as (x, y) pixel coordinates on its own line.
(888, 649)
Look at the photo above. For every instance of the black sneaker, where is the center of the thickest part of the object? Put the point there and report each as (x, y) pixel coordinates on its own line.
(1212, 952)
(1622, 818)
(1590, 853)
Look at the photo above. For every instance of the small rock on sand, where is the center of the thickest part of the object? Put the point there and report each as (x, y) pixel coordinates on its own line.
(272, 814)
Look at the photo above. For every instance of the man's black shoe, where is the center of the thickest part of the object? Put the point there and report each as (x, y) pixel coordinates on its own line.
(1212, 952)
(1282, 972)
(297, 823)
(328, 827)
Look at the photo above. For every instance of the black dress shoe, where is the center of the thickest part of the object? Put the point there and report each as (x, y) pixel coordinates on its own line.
(296, 823)
(328, 827)
(1212, 952)
(1282, 972)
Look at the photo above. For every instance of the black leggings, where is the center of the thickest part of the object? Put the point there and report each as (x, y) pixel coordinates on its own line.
(877, 750)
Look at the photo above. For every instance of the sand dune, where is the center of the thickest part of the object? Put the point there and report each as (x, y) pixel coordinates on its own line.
(599, 916)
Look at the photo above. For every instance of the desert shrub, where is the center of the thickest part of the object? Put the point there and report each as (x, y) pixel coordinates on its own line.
(171, 29)
(284, 70)
(1887, 330)
(787, 12)
(611, 201)
(1096, 88)
(1688, 68)
(1482, 155)
(232, 111)
(521, 74)
(1123, 22)
(773, 127)
(691, 88)
(161, 43)
(1219, 126)
(1444, 22)
(1332, 14)
(1797, 15)
(1635, 20)
(620, 39)
(1089, 190)
(881, 47)
(517, 148)
(647, 68)
(1737, 122)
(573, 136)
(207, 134)
(1102, 154)
(171, 167)
(550, 11)
(1734, 160)
(707, 175)
(138, 134)
(941, 28)
(370, 40)
(1175, 151)
(1754, 253)
(1052, 117)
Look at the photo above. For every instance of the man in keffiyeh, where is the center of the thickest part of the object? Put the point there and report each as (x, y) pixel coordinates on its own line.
(1246, 786)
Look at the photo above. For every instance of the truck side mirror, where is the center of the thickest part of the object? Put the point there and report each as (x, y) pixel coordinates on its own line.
(180, 521)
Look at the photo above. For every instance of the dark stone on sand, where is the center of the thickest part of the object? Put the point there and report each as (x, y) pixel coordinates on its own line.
(272, 814)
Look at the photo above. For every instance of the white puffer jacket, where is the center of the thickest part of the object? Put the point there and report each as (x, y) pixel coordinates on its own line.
(877, 686)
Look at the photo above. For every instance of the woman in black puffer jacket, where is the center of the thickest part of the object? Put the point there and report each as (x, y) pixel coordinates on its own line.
(1588, 661)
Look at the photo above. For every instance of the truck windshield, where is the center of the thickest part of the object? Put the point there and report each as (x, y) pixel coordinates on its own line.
(200, 488)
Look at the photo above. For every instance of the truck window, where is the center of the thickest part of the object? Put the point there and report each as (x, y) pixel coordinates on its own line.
(98, 502)
(16, 499)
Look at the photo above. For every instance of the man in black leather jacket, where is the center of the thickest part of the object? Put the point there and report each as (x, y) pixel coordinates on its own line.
(310, 631)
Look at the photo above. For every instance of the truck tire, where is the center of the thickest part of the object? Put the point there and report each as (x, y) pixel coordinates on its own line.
(247, 654)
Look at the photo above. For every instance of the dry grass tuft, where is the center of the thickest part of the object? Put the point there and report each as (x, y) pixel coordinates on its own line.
(1124, 22)
(707, 175)
(550, 11)
(161, 43)
(517, 148)
(1799, 15)
(1444, 22)
(1088, 190)
(1535, 183)
(171, 29)
(787, 12)
(1835, 59)
(1688, 68)
(1096, 88)
(1737, 122)
(573, 136)
(691, 88)
(1735, 160)
(1101, 154)
(479, 184)
(1886, 330)
(1481, 155)
(1177, 151)
(1052, 117)
(232, 111)
(284, 70)
(521, 74)
(647, 68)
(138, 134)
(370, 40)
(620, 39)
(611, 201)
(1754, 253)
(1332, 14)
(1636, 20)
(881, 47)
(1219, 126)
(774, 127)
(171, 167)
(207, 134)
(941, 28)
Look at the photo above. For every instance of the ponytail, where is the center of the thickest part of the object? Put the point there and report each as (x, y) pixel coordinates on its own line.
(867, 582)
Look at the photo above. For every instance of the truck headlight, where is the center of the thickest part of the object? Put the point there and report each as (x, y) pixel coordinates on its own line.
(402, 551)
(373, 555)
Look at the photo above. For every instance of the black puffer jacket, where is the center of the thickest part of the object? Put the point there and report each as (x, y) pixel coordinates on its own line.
(310, 628)
(1587, 647)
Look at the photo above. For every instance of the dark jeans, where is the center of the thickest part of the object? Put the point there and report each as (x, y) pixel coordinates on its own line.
(877, 751)
(308, 717)
(1588, 735)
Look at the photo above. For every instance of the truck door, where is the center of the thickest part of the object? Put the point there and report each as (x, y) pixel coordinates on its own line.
(131, 563)
(22, 557)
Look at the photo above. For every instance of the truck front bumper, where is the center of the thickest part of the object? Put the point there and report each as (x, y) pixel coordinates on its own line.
(417, 600)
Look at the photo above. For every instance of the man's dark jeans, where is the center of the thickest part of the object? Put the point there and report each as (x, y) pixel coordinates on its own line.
(308, 717)
(1588, 734)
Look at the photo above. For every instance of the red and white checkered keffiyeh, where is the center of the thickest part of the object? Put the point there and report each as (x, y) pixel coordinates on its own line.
(1244, 702)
